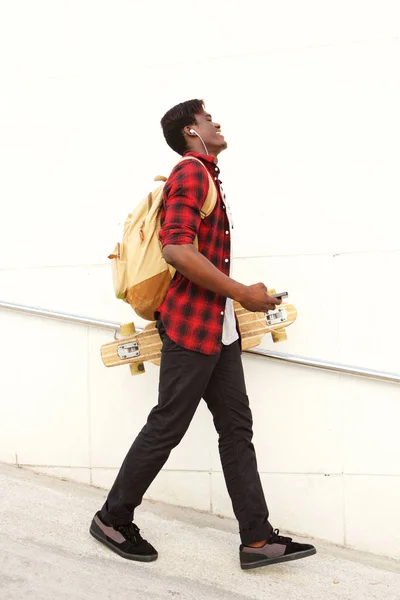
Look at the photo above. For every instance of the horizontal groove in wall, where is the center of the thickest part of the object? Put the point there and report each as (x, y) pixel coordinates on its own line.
(331, 254)
(210, 471)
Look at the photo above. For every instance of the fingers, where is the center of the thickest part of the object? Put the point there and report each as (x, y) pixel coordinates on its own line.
(271, 299)
(270, 306)
(260, 300)
(261, 287)
(274, 301)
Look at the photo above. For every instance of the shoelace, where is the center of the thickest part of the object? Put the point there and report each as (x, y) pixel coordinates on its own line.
(278, 539)
(131, 533)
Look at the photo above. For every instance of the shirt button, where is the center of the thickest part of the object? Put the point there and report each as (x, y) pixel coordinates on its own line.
(227, 232)
(222, 312)
(215, 178)
(216, 169)
(223, 206)
(227, 260)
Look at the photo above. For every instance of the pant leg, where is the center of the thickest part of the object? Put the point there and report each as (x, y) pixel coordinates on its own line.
(228, 402)
(184, 375)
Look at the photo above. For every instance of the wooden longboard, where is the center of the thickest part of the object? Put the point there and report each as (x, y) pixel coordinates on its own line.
(146, 345)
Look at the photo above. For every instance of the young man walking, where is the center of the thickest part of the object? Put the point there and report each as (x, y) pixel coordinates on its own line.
(201, 355)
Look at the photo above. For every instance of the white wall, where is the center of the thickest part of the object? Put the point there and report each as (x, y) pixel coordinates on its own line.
(308, 96)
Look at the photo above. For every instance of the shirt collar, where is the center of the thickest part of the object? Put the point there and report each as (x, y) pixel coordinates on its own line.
(204, 157)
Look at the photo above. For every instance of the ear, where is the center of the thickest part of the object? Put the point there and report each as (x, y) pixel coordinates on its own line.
(187, 131)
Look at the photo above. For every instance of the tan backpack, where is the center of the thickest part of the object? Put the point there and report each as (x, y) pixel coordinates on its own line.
(141, 276)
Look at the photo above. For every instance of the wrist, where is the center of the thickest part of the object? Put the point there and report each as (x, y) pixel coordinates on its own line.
(239, 292)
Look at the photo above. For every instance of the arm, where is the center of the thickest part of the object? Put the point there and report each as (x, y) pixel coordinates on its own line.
(187, 190)
(197, 268)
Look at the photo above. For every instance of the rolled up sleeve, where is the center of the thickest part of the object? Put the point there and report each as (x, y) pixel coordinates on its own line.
(184, 196)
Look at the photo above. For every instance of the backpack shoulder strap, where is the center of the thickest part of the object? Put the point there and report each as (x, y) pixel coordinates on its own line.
(211, 199)
(212, 196)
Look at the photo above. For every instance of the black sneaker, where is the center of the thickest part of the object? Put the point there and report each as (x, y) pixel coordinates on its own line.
(125, 540)
(277, 549)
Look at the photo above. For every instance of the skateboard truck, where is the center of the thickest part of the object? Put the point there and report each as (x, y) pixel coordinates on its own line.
(278, 315)
(277, 336)
(130, 349)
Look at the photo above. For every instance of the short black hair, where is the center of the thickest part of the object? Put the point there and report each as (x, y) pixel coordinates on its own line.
(176, 119)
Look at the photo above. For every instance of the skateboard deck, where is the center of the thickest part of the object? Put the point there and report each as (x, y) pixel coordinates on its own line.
(146, 345)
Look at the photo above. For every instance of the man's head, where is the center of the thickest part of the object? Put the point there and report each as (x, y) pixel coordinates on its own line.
(187, 126)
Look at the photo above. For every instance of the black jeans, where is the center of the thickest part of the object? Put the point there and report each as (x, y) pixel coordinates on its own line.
(185, 378)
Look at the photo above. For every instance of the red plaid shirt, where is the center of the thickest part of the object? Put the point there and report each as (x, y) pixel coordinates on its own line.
(193, 316)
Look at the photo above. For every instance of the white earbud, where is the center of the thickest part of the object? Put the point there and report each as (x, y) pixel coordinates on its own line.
(199, 136)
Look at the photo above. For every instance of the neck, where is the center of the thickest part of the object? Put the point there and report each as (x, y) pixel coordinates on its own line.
(198, 147)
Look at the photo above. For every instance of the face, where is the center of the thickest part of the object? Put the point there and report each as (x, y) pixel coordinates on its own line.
(210, 132)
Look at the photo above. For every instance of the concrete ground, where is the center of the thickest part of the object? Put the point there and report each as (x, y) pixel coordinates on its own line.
(46, 553)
